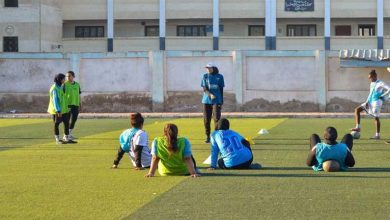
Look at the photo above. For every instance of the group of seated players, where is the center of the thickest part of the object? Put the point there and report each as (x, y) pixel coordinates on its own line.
(171, 154)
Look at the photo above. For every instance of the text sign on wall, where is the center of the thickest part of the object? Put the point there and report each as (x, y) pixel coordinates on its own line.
(299, 5)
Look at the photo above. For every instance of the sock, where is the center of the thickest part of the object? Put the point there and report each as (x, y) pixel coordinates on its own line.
(357, 126)
(57, 137)
(70, 131)
(377, 134)
(66, 138)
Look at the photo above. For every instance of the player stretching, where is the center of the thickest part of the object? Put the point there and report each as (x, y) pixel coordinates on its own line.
(373, 104)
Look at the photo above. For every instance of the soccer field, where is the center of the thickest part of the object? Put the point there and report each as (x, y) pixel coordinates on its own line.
(42, 180)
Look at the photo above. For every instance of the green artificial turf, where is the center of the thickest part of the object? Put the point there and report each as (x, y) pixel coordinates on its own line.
(42, 180)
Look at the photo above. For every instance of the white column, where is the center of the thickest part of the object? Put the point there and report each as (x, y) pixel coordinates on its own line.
(270, 24)
(379, 8)
(273, 18)
(110, 25)
(215, 24)
(327, 25)
(162, 24)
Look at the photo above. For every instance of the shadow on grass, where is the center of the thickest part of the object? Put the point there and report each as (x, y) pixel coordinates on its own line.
(370, 169)
(284, 175)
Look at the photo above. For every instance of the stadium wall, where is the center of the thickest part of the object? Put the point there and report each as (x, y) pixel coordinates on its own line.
(155, 81)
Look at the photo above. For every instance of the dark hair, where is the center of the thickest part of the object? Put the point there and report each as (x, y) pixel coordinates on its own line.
(373, 73)
(136, 120)
(58, 78)
(223, 124)
(330, 134)
(170, 132)
(215, 70)
(71, 73)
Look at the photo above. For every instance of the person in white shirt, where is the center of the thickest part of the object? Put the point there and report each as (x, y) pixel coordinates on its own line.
(378, 91)
(134, 141)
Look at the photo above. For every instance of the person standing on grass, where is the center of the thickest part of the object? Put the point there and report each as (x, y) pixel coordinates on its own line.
(73, 92)
(172, 154)
(330, 155)
(134, 141)
(234, 149)
(58, 108)
(373, 104)
(212, 100)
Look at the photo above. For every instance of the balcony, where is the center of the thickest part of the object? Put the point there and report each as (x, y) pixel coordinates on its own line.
(84, 44)
(124, 44)
(241, 43)
(300, 43)
(353, 42)
(189, 43)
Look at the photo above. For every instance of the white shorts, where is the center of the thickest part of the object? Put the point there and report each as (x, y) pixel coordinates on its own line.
(373, 108)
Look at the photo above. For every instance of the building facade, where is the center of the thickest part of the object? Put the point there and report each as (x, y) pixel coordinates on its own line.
(145, 25)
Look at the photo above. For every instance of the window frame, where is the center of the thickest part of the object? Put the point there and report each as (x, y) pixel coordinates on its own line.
(364, 26)
(88, 29)
(11, 3)
(5, 48)
(151, 26)
(254, 26)
(199, 30)
(301, 27)
(340, 26)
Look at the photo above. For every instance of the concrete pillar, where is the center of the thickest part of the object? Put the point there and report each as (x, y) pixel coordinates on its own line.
(238, 78)
(162, 26)
(110, 25)
(157, 66)
(327, 24)
(321, 58)
(270, 24)
(215, 24)
(379, 8)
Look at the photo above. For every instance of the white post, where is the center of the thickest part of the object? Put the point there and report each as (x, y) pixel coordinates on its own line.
(162, 26)
(270, 24)
(327, 25)
(379, 8)
(215, 24)
(110, 25)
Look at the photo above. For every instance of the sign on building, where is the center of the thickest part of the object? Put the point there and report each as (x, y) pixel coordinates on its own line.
(299, 5)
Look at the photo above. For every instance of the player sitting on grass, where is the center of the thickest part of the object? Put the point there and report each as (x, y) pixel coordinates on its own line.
(134, 141)
(373, 104)
(172, 154)
(234, 149)
(329, 155)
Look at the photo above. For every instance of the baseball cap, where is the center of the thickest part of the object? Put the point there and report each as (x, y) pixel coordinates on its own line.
(210, 65)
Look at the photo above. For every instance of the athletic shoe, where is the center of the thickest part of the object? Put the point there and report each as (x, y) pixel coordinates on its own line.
(355, 129)
(71, 137)
(375, 137)
(114, 166)
(207, 140)
(70, 141)
(61, 142)
(255, 166)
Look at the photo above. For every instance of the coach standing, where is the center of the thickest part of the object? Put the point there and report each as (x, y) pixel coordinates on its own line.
(212, 83)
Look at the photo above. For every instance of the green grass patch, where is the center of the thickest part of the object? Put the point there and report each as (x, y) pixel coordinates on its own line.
(42, 180)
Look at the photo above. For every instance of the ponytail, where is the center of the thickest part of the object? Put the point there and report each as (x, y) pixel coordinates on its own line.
(170, 133)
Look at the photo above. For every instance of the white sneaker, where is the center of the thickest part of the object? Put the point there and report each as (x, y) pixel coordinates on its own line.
(70, 137)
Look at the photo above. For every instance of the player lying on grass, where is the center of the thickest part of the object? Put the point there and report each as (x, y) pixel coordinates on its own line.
(172, 154)
(235, 151)
(373, 104)
(134, 141)
(329, 155)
